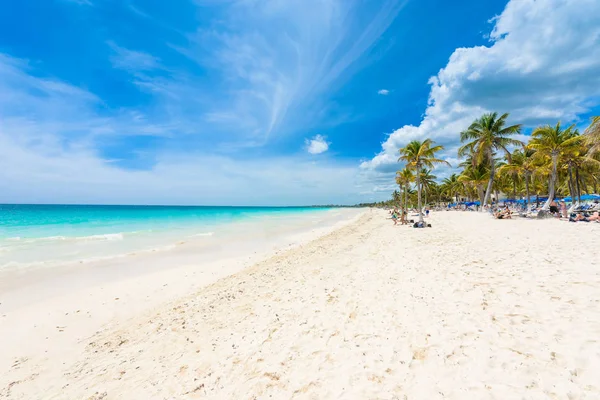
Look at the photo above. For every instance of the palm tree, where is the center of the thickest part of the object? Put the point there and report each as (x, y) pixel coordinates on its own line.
(484, 138)
(523, 165)
(406, 177)
(573, 159)
(592, 136)
(417, 155)
(553, 142)
(476, 177)
(451, 186)
(396, 198)
(427, 182)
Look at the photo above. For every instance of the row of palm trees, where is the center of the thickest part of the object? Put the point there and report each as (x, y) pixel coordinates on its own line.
(556, 160)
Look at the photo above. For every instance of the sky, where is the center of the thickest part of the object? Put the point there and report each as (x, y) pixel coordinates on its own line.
(271, 102)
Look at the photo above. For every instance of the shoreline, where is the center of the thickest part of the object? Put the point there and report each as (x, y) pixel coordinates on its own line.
(85, 299)
(91, 234)
(474, 307)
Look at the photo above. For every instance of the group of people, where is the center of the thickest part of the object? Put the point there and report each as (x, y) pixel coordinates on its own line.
(557, 209)
(560, 211)
(585, 217)
(503, 213)
(402, 215)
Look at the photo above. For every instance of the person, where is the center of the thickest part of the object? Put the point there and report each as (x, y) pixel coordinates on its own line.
(421, 225)
(404, 217)
(427, 212)
(503, 213)
(553, 207)
(583, 217)
(563, 209)
(395, 216)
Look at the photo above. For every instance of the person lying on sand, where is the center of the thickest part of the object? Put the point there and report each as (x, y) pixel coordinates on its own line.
(583, 218)
(503, 214)
(421, 225)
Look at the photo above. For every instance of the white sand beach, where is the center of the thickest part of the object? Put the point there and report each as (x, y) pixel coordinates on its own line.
(473, 308)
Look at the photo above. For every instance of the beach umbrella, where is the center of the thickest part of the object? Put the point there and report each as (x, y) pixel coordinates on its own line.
(587, 197)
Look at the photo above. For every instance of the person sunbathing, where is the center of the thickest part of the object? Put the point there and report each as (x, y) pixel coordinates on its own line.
(503, 214)
(594, 217)
(579, 217)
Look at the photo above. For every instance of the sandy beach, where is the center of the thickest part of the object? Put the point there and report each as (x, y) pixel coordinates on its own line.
(473, 308)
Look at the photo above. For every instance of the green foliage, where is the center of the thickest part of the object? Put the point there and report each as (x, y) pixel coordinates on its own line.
(555, 160)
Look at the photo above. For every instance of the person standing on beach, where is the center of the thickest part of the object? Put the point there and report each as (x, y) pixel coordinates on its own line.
(395, 216)
(563, 209)
(553, 208)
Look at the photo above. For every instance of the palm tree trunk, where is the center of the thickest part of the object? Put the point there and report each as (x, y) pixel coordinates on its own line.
(514, 187)
(571, 183)
(401, 202)
(551, 183)
(488, 191)
(419, 204)
(406, 197)
(527, 190)
(577, 178)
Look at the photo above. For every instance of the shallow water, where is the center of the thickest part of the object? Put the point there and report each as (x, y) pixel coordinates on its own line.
(45, 235)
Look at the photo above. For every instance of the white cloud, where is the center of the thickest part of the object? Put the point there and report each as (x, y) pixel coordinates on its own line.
(131, 60)
(81, 2)
(543, 65)
(78, 175)
(285, 58)
(317, 145)
(49, 154)
(383, 92)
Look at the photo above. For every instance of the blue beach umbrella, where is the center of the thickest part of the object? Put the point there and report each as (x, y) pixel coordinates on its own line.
(588, 197)
(585, 197)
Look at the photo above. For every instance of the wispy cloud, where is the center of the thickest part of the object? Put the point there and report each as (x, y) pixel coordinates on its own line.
(80, 2)
(49, 135)
(131, 60)
(317, 145)
(383, 92)
(276, 60)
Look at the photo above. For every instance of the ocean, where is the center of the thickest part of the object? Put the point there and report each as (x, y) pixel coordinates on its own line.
(42, 235)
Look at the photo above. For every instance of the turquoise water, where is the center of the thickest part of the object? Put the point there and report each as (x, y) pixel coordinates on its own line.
(48, 221)
(31, 234)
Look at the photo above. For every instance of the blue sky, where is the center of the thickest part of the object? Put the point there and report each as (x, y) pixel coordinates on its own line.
(270, 101)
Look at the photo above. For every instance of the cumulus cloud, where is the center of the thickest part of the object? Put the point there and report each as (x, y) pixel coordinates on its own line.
(543, 65)
(317, 145)
(383, 92)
